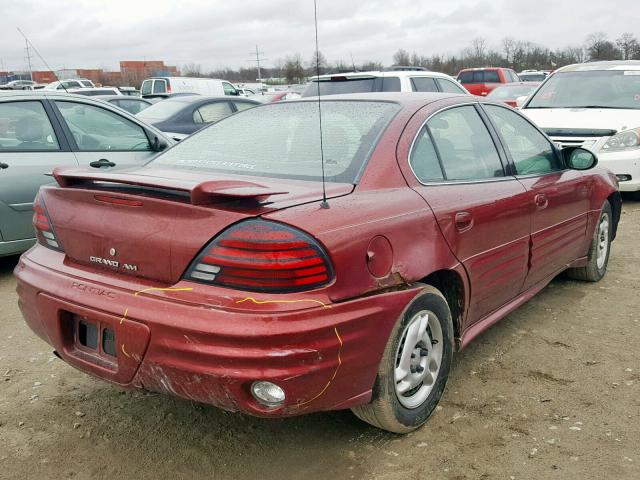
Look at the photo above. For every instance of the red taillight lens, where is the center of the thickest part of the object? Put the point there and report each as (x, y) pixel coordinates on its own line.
(263, 256)
(42, 224)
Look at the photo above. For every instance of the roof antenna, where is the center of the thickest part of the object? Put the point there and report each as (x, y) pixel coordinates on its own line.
(324, 203)
(43, 60)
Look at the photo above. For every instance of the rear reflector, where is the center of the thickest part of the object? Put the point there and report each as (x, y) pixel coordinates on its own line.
(263, 256)
(42, 223)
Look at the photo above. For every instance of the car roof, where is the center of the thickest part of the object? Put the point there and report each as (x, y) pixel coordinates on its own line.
(384, 74)
(405, 99)
(519, 84)
(604, 65)
(122, 97)
(475, 69)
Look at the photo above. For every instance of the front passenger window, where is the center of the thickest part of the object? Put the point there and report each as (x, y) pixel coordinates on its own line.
(530, 151)
(96, 129)
(212, 112)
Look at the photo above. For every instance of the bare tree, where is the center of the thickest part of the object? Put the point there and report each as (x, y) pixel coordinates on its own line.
(192, 70)
(599, 48)
(293, 69)
(628, 45)
(508, 46)
(318, 63)
(401, 57)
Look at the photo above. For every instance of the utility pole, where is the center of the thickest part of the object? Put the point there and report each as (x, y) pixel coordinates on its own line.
(257, 61)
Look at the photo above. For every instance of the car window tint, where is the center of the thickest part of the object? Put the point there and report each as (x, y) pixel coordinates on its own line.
(424, 84)
(465, 77)
(212, 112)
(25, 126)
(448, 86)
(424, 159)
(96, 129)
(491, 76)
(387, 84)
(464, 145)
(159, 86)
(243, 105)
(531, 152)
(131, 106)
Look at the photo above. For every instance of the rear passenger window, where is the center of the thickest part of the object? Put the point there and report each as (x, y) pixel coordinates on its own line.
(424, 159)
(243, 105)
(212, 112)
(464, 146)
(388, 84)
(424, 84)
(25, 126)
(530, 151)
(448, 86)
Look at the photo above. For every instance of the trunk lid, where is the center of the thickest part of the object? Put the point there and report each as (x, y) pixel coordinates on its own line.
(152, 225)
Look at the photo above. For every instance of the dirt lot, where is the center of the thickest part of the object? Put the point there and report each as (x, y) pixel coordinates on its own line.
(551, 392)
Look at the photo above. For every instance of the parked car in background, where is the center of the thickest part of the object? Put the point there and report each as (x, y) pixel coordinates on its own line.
(509, 93)
(164, 86)
(272, 97)
(181, 116)
(20, 85)
(133, 105)
(42, 130)
(70, 84)
(533, 75)
(596, 106)
(387, 81)
(131, 91)
(96, 92)
(245, 92)
(481, 81)
(216, 273)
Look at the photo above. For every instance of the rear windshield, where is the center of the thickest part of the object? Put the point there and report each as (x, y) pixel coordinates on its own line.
(594, 89)
(355, 85)
(162, 110)
(146, 87)
(282, 140)
(532, 77)
(512, 91)
(479, 76)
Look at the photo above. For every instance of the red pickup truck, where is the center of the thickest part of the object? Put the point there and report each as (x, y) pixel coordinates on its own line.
(481, 81)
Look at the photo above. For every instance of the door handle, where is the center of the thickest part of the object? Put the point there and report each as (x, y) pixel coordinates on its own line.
(103, 162)
(3, 166)
(542, 201)
(464, 221)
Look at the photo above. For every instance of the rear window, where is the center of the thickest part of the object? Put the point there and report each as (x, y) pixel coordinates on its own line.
(353, 85)
(512, 91)
(162, 110)
(146, 87)
(479, 76)
(160, 86)
(282, 140)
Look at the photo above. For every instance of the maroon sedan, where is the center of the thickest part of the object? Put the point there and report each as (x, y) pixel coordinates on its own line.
(217, 273)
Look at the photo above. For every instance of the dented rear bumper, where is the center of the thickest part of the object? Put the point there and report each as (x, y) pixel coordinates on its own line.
(210, 344)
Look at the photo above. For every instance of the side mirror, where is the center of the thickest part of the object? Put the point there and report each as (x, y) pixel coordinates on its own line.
(159, 144)
(579, 158)
(520, 101)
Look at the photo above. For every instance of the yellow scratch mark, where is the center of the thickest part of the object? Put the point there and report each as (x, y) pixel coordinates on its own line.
(334, 373)
(262, 302)
(124, 316)
(162, 290)
(125, 352)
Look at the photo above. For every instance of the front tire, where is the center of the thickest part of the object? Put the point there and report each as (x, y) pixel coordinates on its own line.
(598, 256)
(415, 366)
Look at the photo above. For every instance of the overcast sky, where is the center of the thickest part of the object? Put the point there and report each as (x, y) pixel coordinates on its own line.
(215, 33)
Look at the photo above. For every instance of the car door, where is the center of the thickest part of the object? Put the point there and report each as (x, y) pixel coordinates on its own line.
(482, 212)
(558, 197)
(31, 145)
(102, 138)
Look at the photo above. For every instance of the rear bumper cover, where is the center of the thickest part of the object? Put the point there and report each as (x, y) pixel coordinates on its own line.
(210, 345)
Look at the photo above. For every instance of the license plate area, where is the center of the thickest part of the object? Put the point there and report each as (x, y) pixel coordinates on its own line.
(93, 340)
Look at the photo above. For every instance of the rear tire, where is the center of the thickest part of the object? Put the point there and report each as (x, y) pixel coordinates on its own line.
(598, 256)
(415, 366)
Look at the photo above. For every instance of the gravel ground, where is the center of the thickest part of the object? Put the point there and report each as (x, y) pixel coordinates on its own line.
(550, 392)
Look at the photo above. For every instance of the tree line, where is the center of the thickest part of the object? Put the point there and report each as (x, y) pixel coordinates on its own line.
(513, 53)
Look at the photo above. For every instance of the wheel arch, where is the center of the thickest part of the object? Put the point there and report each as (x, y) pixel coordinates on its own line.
(452, 285)
(615, 200)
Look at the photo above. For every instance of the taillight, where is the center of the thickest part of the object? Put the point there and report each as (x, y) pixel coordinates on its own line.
(262, 256)
(42, 223)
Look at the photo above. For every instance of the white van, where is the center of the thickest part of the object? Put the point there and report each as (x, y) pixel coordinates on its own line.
(165, 86)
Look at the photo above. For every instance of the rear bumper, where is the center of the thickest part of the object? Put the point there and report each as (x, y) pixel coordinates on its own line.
(210, 344)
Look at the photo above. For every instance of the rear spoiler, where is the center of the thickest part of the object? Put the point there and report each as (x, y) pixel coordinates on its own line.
(204, 193)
